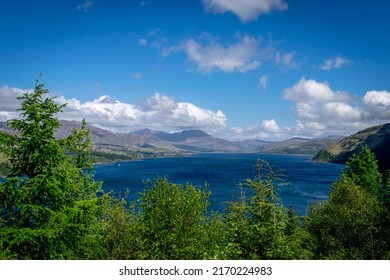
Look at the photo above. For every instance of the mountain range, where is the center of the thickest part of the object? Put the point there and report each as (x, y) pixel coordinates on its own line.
(110, 146)
(189, 141)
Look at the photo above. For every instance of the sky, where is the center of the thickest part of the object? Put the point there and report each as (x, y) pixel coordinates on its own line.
(237, 69)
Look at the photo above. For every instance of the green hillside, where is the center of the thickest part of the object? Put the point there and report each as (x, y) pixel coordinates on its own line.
(377, 138)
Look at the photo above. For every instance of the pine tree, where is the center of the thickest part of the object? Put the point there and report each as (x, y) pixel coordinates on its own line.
(48, 202)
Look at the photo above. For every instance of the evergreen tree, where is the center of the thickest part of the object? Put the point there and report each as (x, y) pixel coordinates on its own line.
(259, 227)
(362, 169)
(48, 202)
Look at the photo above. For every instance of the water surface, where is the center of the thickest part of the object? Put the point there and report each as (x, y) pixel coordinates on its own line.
(306, 182)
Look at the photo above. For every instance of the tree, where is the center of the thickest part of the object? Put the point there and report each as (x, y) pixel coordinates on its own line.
(48, 202)
(119, 233)
(347, 226)
(175, 221)
(259, 227)
(362, 169)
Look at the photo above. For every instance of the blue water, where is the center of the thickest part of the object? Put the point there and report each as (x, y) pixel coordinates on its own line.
(305, 182)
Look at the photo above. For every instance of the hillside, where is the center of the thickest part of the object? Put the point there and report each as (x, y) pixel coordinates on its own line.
(377, 138)
(198, 141)
(299, 145)
(152, 143)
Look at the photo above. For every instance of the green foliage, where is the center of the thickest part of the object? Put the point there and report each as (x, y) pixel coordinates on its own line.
(348, 225)
(354, 222)
(49, 207)
(119, 233)
(48, 203)
(175, 221)
(386, 190)
(259, 227)
(36, 149)
(362, 169)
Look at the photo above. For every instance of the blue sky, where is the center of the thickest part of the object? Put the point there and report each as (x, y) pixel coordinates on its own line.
(269, 69)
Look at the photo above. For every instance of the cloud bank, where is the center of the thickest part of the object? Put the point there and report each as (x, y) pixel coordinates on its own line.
(156, 112)
(317, 109)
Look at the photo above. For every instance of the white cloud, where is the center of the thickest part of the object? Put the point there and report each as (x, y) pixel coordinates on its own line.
(156, 38)
(318, 109)
(9, 104)
(85, 6)
(158, 112)
(208, 55)
(377, 104)
(286, 60)
(311, 90)
(335, 63)
(263, 81)
(270, 126)
(246, 10)
(211, 56)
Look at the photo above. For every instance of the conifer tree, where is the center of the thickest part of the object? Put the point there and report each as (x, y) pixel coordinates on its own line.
(362, 169)
(258, 224)
(49, 200)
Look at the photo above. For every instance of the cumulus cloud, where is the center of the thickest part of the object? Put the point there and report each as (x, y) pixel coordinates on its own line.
(319, 109)
(335, 63)
(9, 104)
(158, 112)
(270, 126)
(85, 6)
(314, 91)
(377, 104)
(246, 10)
(211, 56)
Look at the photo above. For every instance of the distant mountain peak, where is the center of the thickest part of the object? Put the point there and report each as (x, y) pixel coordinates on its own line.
(193, 133)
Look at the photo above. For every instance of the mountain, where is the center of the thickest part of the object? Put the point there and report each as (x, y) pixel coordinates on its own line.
(154, 142)
(377, 138)
(299, 145)
(172, 137)
(100, 137)
(192, 140)
(251, 144)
